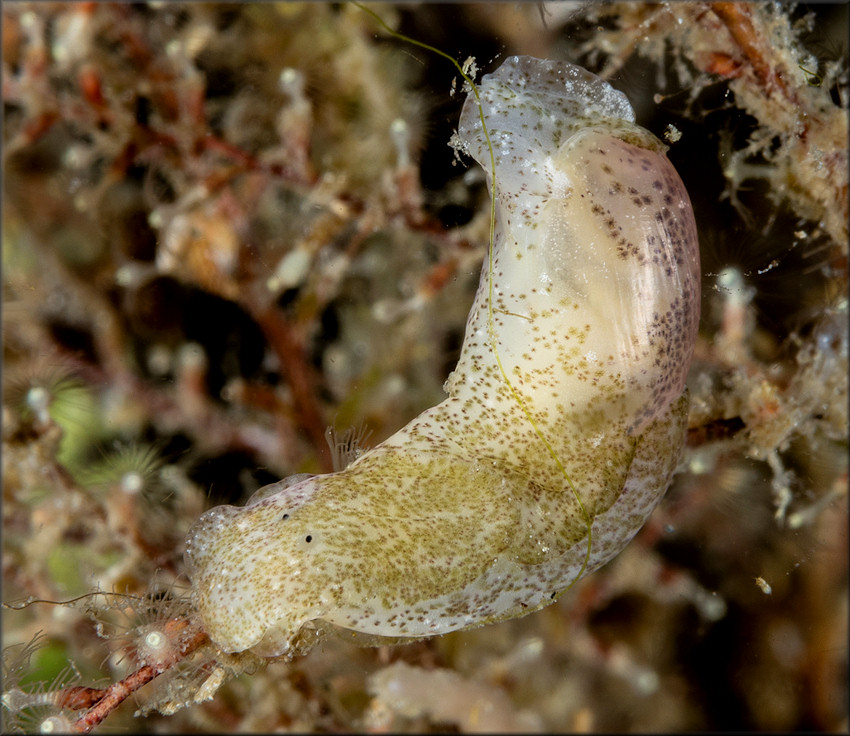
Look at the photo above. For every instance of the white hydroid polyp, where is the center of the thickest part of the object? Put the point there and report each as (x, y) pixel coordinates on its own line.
(565, 415)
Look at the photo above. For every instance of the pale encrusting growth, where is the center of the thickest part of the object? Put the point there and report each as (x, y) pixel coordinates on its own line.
(565, 409)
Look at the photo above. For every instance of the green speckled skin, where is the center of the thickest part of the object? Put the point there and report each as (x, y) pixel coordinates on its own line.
(589, 308)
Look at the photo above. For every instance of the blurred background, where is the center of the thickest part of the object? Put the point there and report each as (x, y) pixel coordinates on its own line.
(227, 227)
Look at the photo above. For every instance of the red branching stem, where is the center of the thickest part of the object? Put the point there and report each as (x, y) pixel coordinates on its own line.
(299, 374)
(104, 701)
(737, 17)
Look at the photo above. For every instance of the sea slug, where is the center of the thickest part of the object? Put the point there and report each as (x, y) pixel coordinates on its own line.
(565, 415)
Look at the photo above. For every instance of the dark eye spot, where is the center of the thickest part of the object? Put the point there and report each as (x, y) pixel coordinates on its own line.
(309, 538)
(284, 517)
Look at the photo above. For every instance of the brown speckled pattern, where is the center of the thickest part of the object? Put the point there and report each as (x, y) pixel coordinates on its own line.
(464, 517)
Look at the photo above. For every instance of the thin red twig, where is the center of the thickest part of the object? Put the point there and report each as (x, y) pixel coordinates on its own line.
(299, 374)
(737, 17)
(111, 697)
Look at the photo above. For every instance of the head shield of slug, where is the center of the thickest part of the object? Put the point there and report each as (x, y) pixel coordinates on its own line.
(565, 414)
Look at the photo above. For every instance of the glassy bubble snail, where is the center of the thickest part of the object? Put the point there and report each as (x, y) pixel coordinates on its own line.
(565, 416)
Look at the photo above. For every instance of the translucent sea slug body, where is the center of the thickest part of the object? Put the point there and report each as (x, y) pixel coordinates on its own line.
(566, 407)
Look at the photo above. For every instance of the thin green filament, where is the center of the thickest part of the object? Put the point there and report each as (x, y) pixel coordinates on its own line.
(490, 319)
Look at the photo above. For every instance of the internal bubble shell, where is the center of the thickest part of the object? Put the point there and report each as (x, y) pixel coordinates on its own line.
(569, 385)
